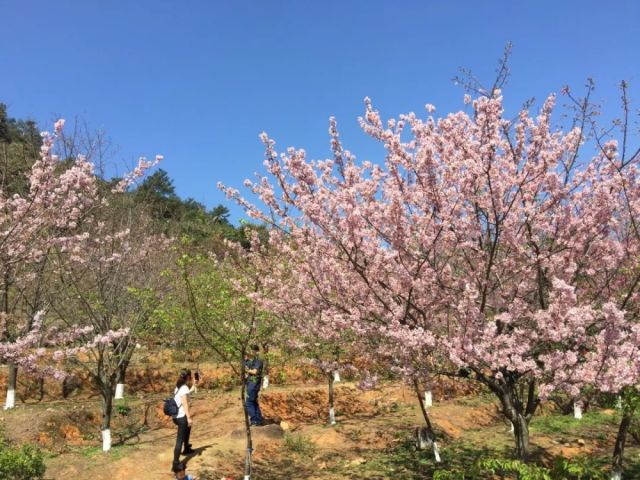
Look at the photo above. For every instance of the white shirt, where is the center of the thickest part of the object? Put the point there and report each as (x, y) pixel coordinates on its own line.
(178, 394)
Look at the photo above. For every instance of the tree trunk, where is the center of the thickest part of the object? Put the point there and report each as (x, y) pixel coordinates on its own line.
(40, 389)
(430, 433)
(425, 414)
(107, 409)
(519, 404)
(428, 399)
(11, 386)
(247, 423)
(577, 409)
(122, 372)
(332, 412)
(512, 409)
(621, 438)
(68, 385)
(521, 434)
(265, 367)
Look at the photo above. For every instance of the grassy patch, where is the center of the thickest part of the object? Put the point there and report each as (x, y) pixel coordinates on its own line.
(476, 400)
(300, 444)
(563, 424)
(92, 452)
(461, 461)
(405, 462)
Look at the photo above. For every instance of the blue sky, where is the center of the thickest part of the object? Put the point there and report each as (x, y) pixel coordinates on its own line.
(198, 80)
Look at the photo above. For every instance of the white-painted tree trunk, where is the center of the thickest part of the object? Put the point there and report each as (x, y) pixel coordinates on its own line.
(11, 399)
(428, 399)
(11, 387)
(513, 429)
(247, 477)
(436, 453)
(619, 402)
(336, 376)
(616, 476)
(332, 416)
(577, 411)
(106, 440)
(424, 441)
(265, 382)
(119, 391)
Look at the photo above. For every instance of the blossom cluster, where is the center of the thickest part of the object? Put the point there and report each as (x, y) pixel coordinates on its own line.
(56, 224)
(480, 242)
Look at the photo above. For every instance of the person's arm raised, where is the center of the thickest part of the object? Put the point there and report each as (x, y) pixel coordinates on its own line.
(194, 387)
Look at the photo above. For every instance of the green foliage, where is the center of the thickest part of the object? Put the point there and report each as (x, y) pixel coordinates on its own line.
(447, 475)
(559, 424)
(23, 463)
(122, 408)
(18, 131)
(206, 310)
(187, 217)
(563, 469)
(581, 468)
(297, 443)
(279, 376)
(158, 185)
(630, 398)
(469, 461)
(20, 143)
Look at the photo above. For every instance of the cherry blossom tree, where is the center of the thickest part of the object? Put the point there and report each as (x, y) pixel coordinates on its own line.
(55, 245)
(45, 216)
(489, 240)
(111, 283)
(624, 160)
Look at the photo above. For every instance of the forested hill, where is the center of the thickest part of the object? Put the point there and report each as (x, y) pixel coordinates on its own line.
(154, 197)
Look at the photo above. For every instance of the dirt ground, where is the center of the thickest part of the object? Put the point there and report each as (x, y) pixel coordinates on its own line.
(367, 421)
(298, 444)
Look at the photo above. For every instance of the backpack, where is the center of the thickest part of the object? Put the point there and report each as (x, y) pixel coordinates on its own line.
(170, 407)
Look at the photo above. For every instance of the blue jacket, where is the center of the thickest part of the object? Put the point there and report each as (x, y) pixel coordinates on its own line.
(254, 364)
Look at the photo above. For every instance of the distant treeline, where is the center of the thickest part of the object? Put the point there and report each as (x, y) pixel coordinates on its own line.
(155, 197)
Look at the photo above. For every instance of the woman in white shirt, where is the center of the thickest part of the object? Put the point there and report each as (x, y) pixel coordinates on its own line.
(183, 418)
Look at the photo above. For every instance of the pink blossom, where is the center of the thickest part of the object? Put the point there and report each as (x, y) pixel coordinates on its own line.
(476, 242)
(59, 125)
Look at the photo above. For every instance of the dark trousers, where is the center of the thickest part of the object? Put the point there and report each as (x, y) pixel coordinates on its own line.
(184, 431)
(253, 409)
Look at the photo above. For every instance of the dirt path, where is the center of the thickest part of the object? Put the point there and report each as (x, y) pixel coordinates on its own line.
(217, 434)
(373, 438)
(367, 422)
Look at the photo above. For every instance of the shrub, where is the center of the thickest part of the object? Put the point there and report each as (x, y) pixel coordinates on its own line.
(23, 463)
(511, 469)
(299, 444)
(563, 469)
(123, 409)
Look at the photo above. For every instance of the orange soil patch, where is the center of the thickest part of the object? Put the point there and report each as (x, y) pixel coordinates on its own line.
(454, 420)
(313, 405)
(330, 439)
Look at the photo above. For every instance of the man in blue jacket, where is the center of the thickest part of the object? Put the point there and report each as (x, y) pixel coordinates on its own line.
(253, 372)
